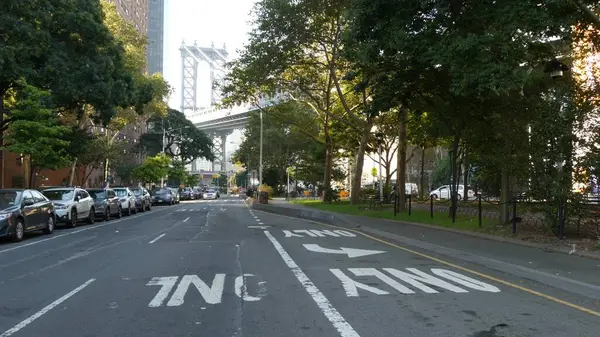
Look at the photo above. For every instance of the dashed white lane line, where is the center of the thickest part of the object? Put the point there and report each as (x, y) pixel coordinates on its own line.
(47, 308)
(257, 220)
(260, 223)
(186, 219)
(336, 319)
(158, 238)
(82, 230)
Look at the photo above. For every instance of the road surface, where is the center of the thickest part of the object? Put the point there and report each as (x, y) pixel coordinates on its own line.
(217, 268)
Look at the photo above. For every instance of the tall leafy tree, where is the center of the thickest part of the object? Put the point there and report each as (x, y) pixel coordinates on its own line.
(296, 48)
(182, 138)
(36, 133)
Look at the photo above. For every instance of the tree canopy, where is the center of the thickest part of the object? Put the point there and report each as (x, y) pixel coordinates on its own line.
(183, 140)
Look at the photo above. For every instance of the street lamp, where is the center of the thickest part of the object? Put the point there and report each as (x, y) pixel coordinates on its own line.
(260, 164)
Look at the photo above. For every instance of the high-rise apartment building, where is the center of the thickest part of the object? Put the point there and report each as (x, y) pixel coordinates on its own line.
(156, 22)
(135, 12)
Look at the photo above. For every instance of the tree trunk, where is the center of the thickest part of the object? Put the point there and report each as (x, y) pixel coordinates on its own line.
(422, 173)
(504, 196)
(2, 151)
(26, 170)
(360, 161)
(454, 176)
(401, 165)
(465, 175)
(326, 194)
(72, 172)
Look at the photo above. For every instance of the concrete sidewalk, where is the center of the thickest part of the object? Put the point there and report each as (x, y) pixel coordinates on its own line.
(528, 260)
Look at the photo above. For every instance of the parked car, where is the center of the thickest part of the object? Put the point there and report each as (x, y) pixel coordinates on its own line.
(127, 199)
(24, 211)
(143, 200)
(197, 193)
(106, 203)
(162, 196)
(211, 194)
(71, 204)
(175, 195)
(443, 192)
(186, 193)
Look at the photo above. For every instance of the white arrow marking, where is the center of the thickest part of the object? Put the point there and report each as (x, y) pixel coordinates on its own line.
(351, 252)
(259, 227)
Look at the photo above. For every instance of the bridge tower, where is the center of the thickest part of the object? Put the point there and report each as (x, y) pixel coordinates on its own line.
(191, 57)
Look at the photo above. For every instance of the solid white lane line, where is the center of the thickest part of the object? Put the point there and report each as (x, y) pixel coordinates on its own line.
(336, 319)
(158, 238)
(186, 219)
(49, 307)
(87, 228)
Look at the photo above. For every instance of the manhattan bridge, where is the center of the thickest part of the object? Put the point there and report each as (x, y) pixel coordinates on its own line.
(217, 123)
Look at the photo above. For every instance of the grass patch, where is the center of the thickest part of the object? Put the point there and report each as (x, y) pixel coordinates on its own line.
(464, 222)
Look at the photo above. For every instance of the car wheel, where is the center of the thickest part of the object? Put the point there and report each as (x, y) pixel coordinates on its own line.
(19, 231)
(134, 209)
(107, 214)
(120, 212)
(91, 217)
(434, 196)
(459, 197)
(49, 225)
(73, 222)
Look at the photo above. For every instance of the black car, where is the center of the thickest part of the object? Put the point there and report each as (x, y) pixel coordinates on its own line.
(24, 210)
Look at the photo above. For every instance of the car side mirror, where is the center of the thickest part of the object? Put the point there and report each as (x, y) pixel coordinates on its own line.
(77, 198)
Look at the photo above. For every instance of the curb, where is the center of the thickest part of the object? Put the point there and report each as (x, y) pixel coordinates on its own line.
(331, 217)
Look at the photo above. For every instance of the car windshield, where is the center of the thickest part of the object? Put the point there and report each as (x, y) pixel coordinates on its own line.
(121, 192)
(163, 191)
(210, 191)
(97, 194)
(9, 198)
(137, 191)
(59, 195)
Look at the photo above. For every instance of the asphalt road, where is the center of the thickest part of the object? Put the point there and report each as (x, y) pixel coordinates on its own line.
(217, 268)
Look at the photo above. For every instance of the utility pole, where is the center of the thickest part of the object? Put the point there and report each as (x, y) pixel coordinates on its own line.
(260, 166)
(162, 179)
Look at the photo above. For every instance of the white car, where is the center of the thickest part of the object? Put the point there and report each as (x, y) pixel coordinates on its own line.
(127, 199)
(443, 192)
(210, 194)
(71, 204)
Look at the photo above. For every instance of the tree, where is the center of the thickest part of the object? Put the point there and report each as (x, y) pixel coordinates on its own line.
(192, 180)
(296, 48)
(153, 169)
(462, 62)
(36, 132)
(286, 135)
(182, 138)
(177, 173)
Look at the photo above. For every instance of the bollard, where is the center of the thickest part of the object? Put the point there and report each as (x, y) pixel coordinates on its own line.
(514, 219)
(431, 206)
(395, 209)
(561, 219)
(409, 204)
(479, 207)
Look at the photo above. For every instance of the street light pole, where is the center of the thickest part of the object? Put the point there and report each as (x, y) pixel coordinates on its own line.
(380, 184)
(260, 165)
(162, 179)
